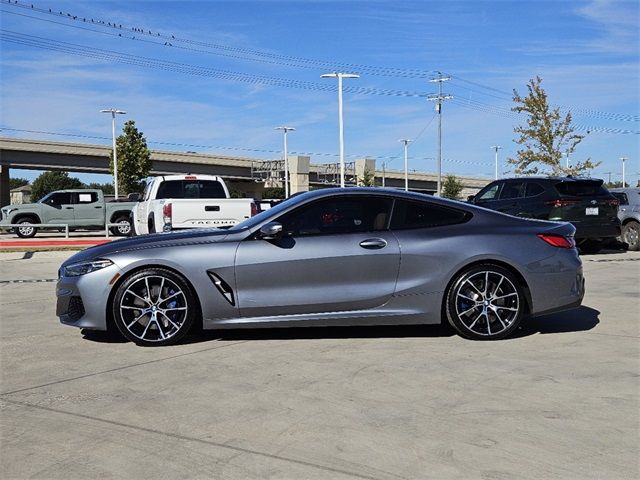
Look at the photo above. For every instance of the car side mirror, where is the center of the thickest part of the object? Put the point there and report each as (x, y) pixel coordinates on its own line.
(271, 230)
(134, 197)
(471, 198)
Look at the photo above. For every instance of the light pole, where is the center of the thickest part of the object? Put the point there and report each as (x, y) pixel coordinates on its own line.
(496, 148)
(406, 143)
(567, 160)
(113, 112)
(340, 76)
(286, 159)
(439, 98)
(624, 183)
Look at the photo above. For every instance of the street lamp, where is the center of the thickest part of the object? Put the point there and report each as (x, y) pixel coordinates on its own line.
(496, 148)
(406, 143)
(624, 182)
(113, 112)
(340, 76)
(286, 159)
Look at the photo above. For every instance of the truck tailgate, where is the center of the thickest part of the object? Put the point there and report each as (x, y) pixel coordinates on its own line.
(204, 213)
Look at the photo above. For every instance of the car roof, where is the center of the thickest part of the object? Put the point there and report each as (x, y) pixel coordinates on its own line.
(553, 179)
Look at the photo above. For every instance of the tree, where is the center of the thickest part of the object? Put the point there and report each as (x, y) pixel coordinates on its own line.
(546, 137)
(616, 184)
(368, 179)
(51, 181)
(17, 183)
(452, 187)
(107, 188)
(134, 159)
(273, 192)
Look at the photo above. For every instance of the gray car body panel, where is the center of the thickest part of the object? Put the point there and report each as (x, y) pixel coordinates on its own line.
(330, 280)
(630, 211)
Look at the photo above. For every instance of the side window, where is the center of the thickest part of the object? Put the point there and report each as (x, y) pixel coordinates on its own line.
(413, 214)
(533, 189)
(512, 190)
(622, 197)
(489, 193)
(81, 198)
(57, 199)
(336, 216)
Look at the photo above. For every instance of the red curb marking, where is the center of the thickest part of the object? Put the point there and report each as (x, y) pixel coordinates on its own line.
(51, 243)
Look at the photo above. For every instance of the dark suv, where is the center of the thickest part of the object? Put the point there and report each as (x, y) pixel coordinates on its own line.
(584, 202)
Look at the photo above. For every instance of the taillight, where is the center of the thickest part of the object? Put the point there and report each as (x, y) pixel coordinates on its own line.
(562, 203)
(167, 214)
(559, 241)
(612, 202)
(254, 209)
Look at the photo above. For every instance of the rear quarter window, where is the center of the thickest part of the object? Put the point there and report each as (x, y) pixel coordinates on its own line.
(413, 214)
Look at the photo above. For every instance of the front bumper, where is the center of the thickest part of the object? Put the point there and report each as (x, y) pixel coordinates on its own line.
(82, 301)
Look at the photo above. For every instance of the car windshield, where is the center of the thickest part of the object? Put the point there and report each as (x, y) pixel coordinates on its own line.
(45, 198)
(259, 218)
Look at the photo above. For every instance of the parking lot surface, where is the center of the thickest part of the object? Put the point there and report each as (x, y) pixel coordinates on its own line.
(559, 400)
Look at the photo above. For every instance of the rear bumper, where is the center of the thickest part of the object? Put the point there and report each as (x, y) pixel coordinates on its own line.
(602, 231)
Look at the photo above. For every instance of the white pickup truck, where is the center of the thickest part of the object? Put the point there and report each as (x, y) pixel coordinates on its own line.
(174, 202)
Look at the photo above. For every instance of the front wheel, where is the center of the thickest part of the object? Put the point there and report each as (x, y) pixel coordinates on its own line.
(154, 307)
(485, 302)
(25, 229)
(631, 235)
(124, 226)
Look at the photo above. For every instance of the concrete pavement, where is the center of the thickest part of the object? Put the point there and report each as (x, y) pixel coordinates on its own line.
(560, 400)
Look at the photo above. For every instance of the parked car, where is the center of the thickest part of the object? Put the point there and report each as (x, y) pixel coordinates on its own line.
(629, 215)
(584, 202)
(79, 208)
(175, 202)
(330, 257)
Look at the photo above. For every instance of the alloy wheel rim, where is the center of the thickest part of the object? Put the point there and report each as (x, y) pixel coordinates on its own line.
(25, 230)
(124, 227)
(487, 303)
(632, 235)
(153, 308)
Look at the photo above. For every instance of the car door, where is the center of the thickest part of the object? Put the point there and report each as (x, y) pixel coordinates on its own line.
(509, 200)
(88, 209)
(335, 254)
(58, 208)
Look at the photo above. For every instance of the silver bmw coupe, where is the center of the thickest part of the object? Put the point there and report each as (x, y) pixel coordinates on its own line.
(357, 256)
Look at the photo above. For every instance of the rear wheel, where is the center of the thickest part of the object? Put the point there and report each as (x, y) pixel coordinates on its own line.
(485, 302)
(631, 235)
(154, 307)
(25, 229)
(124, 227)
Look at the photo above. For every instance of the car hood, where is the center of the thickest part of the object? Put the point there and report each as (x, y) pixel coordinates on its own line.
(156, 240)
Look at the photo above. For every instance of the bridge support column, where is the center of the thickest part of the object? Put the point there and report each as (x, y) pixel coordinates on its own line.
(367, 165)
(298, 173)
(5, 195)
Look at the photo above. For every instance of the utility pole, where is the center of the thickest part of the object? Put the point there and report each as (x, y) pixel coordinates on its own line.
(285, 130)
(340, 76)
(113, 112)
(624, 183)
(496, 148)
(439, 98)
(406, 143)
(384, 173)
(567, 160)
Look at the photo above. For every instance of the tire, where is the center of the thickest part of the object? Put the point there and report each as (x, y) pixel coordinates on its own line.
(27, 231)
(631, 235)
(154, 307)
(125, 229)
(485, 302)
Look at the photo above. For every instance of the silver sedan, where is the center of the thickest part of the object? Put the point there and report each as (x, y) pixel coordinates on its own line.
(358, 256)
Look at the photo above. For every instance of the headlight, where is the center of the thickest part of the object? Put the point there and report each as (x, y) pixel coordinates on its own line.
(83, 268)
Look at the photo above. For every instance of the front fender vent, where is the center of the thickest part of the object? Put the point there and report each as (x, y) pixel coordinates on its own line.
(223, 287)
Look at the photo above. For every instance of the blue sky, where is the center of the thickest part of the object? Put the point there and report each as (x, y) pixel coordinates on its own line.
(242, 68)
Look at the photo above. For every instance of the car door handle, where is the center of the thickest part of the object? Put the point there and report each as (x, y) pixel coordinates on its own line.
(99, 206)
(69, 208)
(373, 243)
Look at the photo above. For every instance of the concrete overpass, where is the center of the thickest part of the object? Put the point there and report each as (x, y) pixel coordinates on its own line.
(243, 174)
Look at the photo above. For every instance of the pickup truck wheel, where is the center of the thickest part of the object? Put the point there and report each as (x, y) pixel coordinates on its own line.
(26, 230)
(124, 229)
(631, 235)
